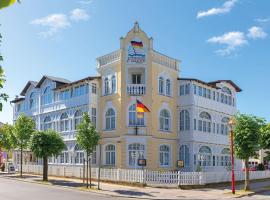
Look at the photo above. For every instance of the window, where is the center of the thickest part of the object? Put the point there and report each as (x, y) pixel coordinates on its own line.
(217, 96)
(208, 93)
(194, 124)
(225, 159)
(79, 155)
(205, 122)
(164, 155)
(94, 156)
(224, 126)
(214, 95)
(134, 118)
(204, 92)
(110, 119)
(64, 157)
(94, 88)
(47, 123)
(184, 120)
(182, 90)
(136, 78)
(77, 118)
(110, 154)
(164, 120)
(94, 116)
(65, 94)
(214, 127)
(47, 96)
(168, 87)
(32, 101)
(106, 86)
(113, 84)
(161, 85)
(184, 155)
(194, 89)
(135, 151)
(200, 91)
(64, 122)
(204, 157)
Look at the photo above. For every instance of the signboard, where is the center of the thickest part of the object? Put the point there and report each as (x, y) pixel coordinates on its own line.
(136, 52)
(142, 162)
(180, 163)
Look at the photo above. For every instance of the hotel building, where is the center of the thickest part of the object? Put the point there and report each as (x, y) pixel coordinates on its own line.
(187, 119)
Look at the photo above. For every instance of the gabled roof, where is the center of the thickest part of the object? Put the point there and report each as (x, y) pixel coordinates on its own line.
(56, 79)
(238, 89)
(89, 78)
(29, 83)
(213, 83)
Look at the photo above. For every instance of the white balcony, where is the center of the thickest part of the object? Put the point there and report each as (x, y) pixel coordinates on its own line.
(136, 89)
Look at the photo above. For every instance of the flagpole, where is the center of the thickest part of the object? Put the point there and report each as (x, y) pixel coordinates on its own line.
(136, 125)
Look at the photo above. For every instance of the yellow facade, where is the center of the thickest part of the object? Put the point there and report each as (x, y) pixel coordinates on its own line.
(150, 135)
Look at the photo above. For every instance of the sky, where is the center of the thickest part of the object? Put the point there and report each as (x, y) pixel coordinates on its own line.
(214, 39)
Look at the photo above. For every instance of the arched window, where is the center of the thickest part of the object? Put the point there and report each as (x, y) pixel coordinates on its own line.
(47, 95)
(110, 119)
(64, 156)
(205, 155)
(224, 126)
(79, 154)
(64, 122)
(47, 123)
(135, 151)
(32, 100)
(110, 154)
(225, 159)
(164, 155)
(205, 122)
(184, 120)
(184, 155)
(168, 87)
(161, 85)
(164, 120)
(226, 90)
(106, 86)
(113, 84)
(134, 118)
(77, 118)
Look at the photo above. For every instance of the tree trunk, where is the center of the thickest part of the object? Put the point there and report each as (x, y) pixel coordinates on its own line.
(45, 169)
(90, 173)
(87, 171)
(246, 187)
(21, 160)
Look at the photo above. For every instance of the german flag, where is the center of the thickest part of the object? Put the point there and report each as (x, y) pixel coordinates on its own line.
(136, 44)
(141, 108)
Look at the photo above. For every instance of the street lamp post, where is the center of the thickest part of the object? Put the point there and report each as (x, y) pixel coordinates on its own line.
(231, 124)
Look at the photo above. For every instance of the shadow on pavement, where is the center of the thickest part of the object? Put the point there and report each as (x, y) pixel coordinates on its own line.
(133, 193)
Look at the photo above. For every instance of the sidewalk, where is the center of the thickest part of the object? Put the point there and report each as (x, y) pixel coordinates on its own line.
(143, 193)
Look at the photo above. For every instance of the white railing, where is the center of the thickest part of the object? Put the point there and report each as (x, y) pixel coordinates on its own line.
(170, 178)
(165, 60)
(136, 89)
(109, 58)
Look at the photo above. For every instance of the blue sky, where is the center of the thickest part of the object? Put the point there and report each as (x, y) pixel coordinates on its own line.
(213, 39)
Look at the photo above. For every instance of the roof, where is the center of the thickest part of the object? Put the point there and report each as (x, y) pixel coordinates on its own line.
(29, 83)
(56, 79)
(238, 89)
(213, 83)
(89, 78)
(17, 99)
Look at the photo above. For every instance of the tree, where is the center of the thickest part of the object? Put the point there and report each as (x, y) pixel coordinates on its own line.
(246, 139)
(87, 138)
(24, 129)
(7, 137)
(265, 137)
(45, 144)
(6, 3)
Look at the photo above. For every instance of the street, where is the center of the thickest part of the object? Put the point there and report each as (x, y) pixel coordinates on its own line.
(18, 190)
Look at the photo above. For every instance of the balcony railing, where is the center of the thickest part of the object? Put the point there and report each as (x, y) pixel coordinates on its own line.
(136, 89)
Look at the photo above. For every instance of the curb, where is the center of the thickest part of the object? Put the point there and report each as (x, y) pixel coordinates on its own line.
(94, 191)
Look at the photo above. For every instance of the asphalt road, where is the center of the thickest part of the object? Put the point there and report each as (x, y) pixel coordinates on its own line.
(18, 190)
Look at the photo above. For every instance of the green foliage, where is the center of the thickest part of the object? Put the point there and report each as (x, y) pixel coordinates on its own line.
(260, 167)
(24, 129)
(47, 143)
(265, 137)
(247, 135)
(87, 136)
(7, 138)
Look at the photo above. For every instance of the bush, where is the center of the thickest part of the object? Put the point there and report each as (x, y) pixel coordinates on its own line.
(260, 167)
(2, 167)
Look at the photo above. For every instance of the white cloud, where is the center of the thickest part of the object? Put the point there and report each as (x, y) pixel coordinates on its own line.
(54, 22)
(85, 2)
(226, 8)
(79, 15)
(231, 40)
(263, 20)
(256, 32)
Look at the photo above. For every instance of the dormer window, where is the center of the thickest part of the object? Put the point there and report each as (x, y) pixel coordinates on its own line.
(47, 96)
(32, 101)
